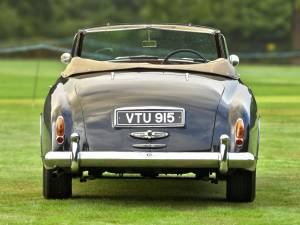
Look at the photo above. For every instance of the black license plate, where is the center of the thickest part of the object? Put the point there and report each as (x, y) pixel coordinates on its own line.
(149, 117)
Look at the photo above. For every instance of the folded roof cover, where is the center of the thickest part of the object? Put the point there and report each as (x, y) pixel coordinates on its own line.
(79, 65)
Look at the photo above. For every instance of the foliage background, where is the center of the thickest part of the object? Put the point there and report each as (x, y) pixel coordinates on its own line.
(248, 25)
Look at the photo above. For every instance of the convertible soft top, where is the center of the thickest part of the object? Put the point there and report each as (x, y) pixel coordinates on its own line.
(79, 65)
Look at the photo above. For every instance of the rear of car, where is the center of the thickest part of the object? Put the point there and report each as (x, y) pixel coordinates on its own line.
(130, 114)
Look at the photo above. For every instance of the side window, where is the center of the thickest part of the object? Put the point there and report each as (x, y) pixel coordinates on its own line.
(224, 46)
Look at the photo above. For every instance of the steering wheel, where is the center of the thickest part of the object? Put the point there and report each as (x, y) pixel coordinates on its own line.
(166, 59)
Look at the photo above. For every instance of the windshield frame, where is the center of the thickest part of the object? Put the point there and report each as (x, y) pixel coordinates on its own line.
(79, 37)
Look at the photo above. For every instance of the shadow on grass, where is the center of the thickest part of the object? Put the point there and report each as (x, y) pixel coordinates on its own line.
(151, 191)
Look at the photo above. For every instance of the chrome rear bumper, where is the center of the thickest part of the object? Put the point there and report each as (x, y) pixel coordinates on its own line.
(222, 160)
(150, 160)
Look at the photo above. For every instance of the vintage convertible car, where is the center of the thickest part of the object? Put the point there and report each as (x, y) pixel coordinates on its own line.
(150, 101)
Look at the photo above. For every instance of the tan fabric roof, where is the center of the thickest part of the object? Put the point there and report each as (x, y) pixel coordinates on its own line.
(80, 66)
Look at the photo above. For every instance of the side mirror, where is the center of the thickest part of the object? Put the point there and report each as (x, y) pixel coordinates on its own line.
(234, 60)
(65, 58)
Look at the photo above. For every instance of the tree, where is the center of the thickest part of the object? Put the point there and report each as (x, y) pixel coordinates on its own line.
(247, 24)
(296, 28)
(9, 21)
(296, 24)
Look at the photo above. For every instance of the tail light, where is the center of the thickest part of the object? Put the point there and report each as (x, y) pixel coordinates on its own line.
(239, 132)
(60, 130)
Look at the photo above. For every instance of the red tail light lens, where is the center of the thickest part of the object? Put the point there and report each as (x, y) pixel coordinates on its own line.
(60, 130)
(239, 132)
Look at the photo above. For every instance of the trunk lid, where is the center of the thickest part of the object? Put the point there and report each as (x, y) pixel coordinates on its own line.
(100, 94)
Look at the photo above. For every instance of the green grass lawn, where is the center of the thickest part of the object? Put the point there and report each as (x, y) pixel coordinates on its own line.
(148, 201)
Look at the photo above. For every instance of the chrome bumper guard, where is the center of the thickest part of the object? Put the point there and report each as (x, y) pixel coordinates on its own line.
(222, 160)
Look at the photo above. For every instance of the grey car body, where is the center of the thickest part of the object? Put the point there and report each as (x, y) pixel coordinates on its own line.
(202, 104)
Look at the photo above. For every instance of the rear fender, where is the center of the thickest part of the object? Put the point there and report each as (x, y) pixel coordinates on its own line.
(237, 102)
(59, 103)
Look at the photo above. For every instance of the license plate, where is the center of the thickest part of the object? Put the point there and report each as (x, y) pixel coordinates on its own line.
(149, 117)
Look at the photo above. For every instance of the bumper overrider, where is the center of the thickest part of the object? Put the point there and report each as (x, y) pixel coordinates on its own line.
(222, 160)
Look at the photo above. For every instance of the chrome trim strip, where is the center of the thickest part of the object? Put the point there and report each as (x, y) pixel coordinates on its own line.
(145, 108)
(150, 146)
(149, 134)
(175, 27)
(243, 160)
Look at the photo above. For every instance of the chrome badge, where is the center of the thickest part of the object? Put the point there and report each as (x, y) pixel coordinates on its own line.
(149, 134)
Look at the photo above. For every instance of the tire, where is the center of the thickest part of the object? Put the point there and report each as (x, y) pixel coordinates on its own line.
(57, 184)
(241, 186)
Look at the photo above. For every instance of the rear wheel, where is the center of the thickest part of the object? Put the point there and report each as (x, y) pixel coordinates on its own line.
(241, 186)
(57, 184)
